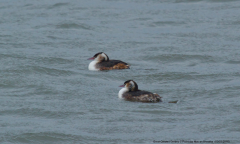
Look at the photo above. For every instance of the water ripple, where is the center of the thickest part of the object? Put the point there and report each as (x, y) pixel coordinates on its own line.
(74, 26)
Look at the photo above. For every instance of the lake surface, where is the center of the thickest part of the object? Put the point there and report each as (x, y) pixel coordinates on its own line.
(186, 50)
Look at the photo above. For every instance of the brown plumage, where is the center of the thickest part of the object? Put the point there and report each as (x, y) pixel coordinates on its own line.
(112, 64)
(102, 62)
(132, 93)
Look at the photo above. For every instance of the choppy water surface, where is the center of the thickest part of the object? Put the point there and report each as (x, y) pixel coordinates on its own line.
(181, 49)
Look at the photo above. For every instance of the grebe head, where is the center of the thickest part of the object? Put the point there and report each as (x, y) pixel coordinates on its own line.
(130, 85)
(101, 56)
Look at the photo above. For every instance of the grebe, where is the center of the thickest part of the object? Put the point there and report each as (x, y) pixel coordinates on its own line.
(132, 93)
(102, 62)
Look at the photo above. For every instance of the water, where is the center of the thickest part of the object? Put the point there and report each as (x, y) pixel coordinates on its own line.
(181, 49)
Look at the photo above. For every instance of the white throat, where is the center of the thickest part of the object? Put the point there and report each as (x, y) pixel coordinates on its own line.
(92, 65)
(121, 92)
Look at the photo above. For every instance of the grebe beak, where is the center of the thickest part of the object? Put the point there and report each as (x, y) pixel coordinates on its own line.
(92, 58)
(122, 86)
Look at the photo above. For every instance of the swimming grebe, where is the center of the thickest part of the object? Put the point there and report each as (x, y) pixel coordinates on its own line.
(102, 62)
(132, 93)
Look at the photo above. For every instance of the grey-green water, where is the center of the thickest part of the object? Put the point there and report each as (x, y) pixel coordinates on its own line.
(186, 50)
